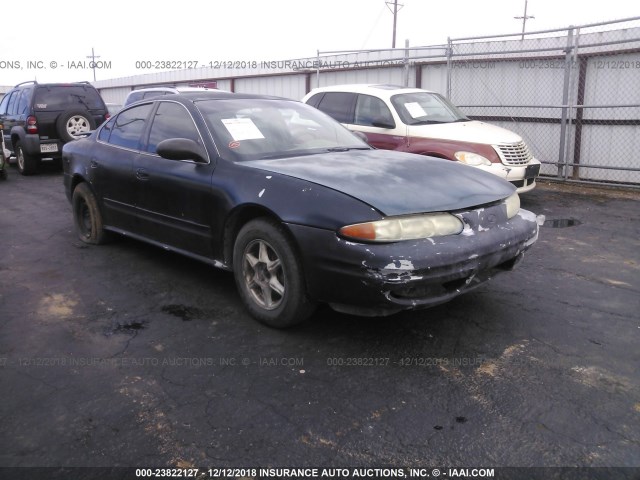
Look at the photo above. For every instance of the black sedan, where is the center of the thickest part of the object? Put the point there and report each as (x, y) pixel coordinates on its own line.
(300, 209)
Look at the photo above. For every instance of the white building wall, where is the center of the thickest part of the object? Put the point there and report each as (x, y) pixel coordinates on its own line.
(288, 86)
(115, 95)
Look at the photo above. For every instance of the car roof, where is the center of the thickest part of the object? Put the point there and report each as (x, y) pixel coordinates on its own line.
(378, 90)
(171, 89)
(196, 96)
(212, 94)
(49, 85)
(163, 90)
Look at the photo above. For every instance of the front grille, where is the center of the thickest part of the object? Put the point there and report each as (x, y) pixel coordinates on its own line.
(514, 153)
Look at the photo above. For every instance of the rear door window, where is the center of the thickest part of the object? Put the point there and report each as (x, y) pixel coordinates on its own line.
(11, 108)
(338, 105)
(105, 133)
(315, 99)
(23, 101)
(129, 126)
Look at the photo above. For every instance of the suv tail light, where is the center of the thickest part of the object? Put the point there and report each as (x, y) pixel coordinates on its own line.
(32, 126)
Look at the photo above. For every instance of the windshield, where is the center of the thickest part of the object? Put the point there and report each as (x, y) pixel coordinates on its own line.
(424, 108)
(255, 129)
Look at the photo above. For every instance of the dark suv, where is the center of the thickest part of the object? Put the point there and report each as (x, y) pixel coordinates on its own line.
(36, 119)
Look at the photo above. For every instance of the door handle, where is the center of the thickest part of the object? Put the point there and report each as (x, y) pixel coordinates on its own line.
(94, 164)
(142, 174)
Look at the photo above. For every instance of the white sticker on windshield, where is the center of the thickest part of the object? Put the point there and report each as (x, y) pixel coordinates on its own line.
(415, 110)
(242, 128)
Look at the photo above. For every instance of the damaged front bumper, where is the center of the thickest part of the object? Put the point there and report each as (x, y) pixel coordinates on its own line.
(381, 279)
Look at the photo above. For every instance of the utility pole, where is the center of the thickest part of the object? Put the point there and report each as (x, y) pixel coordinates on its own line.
(395, 19)
(524, 18)
(93, 57)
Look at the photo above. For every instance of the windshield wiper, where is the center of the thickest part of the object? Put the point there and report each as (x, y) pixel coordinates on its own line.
(288, 154)
(427, 122)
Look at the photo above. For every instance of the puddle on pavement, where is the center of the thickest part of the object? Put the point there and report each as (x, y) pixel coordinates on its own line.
(562, 223)
(183, 312)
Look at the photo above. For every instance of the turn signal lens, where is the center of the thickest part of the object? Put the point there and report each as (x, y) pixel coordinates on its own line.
(413, 227)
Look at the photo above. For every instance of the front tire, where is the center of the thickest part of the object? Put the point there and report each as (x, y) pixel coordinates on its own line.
(87, 216)
(27, 164)
(269, 275)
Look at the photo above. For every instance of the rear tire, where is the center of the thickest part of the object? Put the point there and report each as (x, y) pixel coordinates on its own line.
(269, 275)
(27, 164)
(87, 216)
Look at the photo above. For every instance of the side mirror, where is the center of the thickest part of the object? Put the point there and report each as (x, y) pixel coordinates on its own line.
(182, 149)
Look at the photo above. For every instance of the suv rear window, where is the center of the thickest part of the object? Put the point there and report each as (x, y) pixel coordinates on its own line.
(64, 97)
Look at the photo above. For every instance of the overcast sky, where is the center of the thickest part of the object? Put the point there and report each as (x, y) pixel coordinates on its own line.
(54, 42)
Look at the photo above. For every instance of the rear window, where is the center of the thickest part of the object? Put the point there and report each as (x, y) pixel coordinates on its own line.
(63, 97)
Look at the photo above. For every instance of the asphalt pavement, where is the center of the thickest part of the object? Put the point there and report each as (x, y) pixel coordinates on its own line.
(128, 355)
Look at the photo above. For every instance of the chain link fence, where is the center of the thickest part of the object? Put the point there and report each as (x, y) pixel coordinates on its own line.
(572, 94)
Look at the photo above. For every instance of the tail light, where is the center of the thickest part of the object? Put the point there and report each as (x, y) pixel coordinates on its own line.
(32, 126)
(107, 116)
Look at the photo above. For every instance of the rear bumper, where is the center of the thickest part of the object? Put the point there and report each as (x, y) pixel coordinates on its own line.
(33, 145)
(380, 279)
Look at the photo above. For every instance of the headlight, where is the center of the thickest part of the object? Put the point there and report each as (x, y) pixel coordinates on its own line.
(513, 205)
(412, 227)
(473, 159)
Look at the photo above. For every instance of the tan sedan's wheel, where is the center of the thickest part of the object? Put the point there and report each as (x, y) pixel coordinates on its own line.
(263, 274)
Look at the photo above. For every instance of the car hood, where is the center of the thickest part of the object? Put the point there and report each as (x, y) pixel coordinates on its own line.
(394, 183)
(472, 132)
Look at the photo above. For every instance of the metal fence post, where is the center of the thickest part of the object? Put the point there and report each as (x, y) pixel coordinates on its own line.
(562, 160)
(570, 103)
(449, 55)
(406, 63)
(318, 70)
